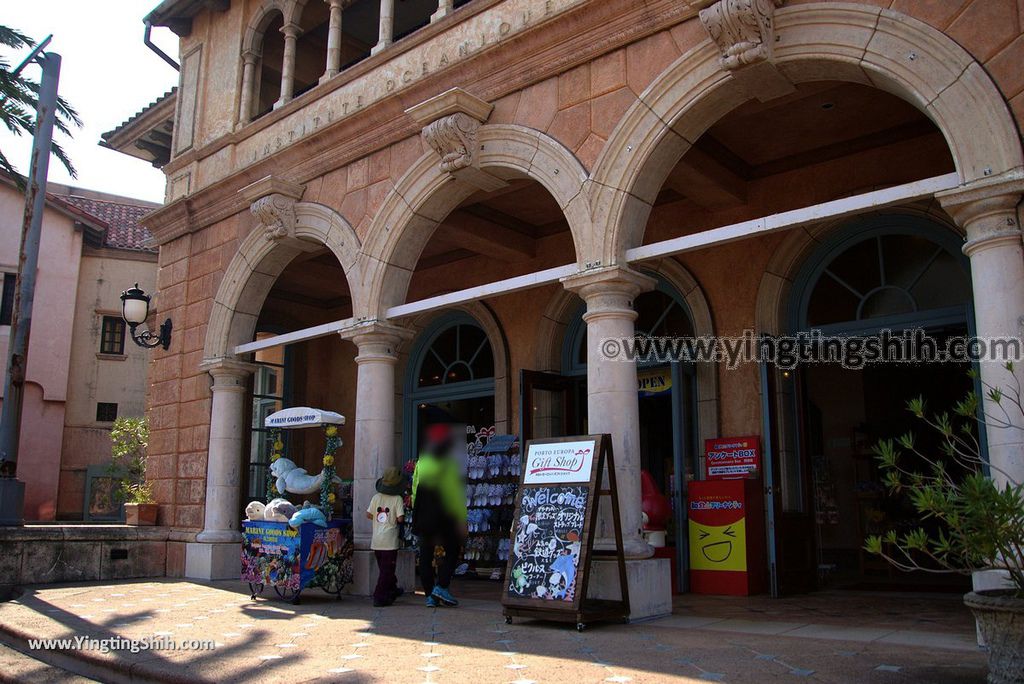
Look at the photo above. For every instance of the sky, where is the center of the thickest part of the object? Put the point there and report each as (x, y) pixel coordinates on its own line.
(107, 74)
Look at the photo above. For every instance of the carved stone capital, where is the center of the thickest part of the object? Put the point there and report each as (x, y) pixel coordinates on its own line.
(454, 138)
(276, 213)
(743, 30)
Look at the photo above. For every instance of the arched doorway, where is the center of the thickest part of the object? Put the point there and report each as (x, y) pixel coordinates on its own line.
(451, 374)
(894, 272)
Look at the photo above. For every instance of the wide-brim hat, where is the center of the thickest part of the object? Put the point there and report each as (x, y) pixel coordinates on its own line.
(392, 482)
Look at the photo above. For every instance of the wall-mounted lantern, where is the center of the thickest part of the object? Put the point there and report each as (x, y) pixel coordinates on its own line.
(135, 310)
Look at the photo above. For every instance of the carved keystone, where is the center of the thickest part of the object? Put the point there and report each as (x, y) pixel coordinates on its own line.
(451, 124)
(272, 201)
(744, 31)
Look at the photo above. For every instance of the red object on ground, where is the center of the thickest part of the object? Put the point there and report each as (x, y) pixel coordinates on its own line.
(726, 537)
(653, 503)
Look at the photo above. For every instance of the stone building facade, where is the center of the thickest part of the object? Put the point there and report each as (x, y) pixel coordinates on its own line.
(350, 180)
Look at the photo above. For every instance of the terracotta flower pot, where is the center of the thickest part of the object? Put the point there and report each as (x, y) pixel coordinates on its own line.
(140, 514)
(1001, 619)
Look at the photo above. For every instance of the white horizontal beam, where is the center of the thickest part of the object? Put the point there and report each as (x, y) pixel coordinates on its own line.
(297, 336)
(797, 217)
(472, 294)
(707, 238)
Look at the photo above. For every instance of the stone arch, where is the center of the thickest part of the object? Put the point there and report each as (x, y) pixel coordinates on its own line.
(563, 305)
(252, 38)
(771, 309)
(425, 195)
(834, 41)
(485, 317)
(258, 263)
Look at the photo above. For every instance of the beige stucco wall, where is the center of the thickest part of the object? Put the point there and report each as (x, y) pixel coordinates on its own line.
(94, 377)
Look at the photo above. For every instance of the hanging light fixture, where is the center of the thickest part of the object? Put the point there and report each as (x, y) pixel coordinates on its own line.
(135, 311)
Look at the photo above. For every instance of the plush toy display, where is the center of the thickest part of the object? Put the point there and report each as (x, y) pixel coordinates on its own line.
(255, 510)
(295, 480)
(279, 510)
(312, 514)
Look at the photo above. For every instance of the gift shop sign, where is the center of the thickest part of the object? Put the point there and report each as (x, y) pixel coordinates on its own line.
(730, 458)
(559, 462)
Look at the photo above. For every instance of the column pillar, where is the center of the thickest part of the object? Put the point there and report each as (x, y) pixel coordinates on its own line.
(444, 8)
(333, 67)
(374, 439)
(612, 403)
(214, 554)
(387, 22)
(249, 60)
(987, 211)
(291, 36)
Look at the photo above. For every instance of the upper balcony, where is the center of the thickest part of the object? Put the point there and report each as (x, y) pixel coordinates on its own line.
(258, 76)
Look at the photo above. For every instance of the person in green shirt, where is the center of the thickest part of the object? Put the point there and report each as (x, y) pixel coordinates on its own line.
(439, 512)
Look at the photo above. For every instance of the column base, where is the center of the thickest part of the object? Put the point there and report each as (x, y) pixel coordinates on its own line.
(364, 572)
(983, 580)
(213, 561)
(649, 582)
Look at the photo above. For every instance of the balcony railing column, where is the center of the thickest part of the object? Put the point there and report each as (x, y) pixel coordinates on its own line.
(291, 36)
(387, 24)
(249, 61)
(444, 8)
(333, 41)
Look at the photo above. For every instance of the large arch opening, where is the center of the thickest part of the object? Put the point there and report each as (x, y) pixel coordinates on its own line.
(885, 272)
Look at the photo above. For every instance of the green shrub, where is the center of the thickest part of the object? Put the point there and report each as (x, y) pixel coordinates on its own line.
(978, 523)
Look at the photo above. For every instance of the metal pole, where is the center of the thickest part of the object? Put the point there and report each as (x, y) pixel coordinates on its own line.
(11, 502)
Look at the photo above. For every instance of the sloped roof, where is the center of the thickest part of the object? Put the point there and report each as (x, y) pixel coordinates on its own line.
(146, 134)
(122, 220)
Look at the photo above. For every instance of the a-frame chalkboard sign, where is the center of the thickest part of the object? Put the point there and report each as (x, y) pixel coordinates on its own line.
(552, 541)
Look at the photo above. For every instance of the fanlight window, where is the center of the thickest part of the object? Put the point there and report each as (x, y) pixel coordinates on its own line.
(459, 353)
(887, 276)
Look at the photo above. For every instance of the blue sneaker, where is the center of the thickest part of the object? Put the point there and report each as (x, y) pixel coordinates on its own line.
(431, 602)
(444, 596)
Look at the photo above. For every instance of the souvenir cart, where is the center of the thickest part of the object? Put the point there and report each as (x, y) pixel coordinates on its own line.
(291, 547)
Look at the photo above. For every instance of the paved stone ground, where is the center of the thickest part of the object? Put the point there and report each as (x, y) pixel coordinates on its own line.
(350, 641)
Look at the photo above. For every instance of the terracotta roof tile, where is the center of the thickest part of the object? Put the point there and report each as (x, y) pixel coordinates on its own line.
(124, 231)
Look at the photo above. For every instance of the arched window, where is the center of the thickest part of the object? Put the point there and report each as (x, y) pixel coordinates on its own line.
(885, 272)
(450, 373)
(268, 84)
(458, 353)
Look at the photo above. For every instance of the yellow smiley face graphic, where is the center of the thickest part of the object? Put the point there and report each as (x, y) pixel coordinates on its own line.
(718, 547)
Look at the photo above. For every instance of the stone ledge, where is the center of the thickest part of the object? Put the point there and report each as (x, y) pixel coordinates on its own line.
(84, 532)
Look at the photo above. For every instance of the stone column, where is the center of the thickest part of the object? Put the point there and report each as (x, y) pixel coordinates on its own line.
(444, 8)
(987, 211)
(249, 60)
(291, 36)
(333, 41)
(374, 438)
(214, 555)
(612, 391)
(387, 22)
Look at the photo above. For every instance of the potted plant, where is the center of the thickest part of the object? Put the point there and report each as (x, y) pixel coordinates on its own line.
(975, 514)
(128, 440)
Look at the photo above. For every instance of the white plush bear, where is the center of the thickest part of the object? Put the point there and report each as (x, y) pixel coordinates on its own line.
(279, 510)
(255, 510)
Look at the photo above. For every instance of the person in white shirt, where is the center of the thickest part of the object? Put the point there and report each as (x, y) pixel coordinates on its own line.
(386, 510)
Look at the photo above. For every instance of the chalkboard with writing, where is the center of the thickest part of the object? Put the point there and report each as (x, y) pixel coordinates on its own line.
(545, 553)
(551, 537)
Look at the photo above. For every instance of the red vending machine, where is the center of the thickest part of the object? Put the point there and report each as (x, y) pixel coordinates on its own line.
(726, 521)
